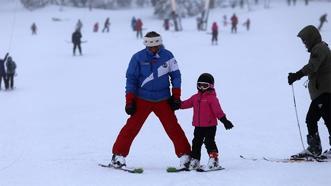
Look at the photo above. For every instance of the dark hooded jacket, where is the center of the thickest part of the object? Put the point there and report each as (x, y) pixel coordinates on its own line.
(2, 65)
(318, 68)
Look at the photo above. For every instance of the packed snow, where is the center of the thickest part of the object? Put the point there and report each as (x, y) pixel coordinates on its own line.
(64, 115)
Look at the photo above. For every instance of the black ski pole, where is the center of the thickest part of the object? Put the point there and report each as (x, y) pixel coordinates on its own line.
(296, 113)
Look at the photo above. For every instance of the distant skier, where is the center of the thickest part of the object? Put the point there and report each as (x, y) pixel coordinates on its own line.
(234, 23)
(139, 28)
(214, 33)
(133, 23)
(3, 72)
(11, 70)
(206, 111)
(199, 23)
(247, 24)
(174, 17)
(323, 19)
(96, 27)
(166, 24)
(150, 73)
(76, 41)
(225, 21)
(318, 71)
(106, 25)
(79, 25)
(34, 29)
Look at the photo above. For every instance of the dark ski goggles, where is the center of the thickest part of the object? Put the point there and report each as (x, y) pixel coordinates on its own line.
(204, 85)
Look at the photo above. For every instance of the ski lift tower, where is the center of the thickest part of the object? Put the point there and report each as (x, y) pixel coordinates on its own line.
(205, 15)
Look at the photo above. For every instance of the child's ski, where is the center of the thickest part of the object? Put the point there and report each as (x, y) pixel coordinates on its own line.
(124, 168)
(176, 169)
(206, 169)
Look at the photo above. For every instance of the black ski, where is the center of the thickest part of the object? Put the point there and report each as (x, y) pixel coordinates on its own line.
(286, 160)
(124, 168)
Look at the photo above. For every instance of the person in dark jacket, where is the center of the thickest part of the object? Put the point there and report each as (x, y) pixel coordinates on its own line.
(106, 25)
(3, 71)
(34, 29)
(11, 70)
(76, 41)
(318, 71)
(149, 76)
(234, 23)
(322, 21)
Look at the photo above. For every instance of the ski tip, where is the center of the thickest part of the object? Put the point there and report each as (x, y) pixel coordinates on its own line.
(138, 170)
(171, 169)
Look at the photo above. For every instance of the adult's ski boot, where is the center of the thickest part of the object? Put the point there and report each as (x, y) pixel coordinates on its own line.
(314, 148)
(117, 161)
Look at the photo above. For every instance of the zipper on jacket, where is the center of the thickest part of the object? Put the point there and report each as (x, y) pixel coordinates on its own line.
(199, 103)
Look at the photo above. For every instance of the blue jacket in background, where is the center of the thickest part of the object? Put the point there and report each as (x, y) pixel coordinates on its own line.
(148, 76)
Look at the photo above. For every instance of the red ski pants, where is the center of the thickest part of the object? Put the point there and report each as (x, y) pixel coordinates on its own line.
(168, 119)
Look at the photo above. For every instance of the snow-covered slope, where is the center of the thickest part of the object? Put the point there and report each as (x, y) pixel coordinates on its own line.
(65, 113)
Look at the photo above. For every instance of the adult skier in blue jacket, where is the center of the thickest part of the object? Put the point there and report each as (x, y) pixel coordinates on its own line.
(149, 75)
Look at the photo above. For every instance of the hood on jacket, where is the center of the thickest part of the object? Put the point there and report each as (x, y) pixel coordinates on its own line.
(310, 36)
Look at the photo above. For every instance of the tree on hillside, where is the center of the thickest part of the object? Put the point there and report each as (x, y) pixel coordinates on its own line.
(162, 8)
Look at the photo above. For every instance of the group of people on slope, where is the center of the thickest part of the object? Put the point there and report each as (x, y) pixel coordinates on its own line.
(148, 90)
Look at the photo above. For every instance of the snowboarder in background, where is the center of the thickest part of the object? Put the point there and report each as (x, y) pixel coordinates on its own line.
(133, 23)
(206, 111)
(11, 70)
(166, 24)
(148, 90)
(34, 29)
(79, 25)
(76, 41)
(247, 24)
(323, 19)
(318, 71)
(214, 33)
(106, 25)
(139, 28)
(96, 27)
(3, 71)
(234, 23)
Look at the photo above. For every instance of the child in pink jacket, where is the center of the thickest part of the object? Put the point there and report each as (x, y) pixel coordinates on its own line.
(206, 111)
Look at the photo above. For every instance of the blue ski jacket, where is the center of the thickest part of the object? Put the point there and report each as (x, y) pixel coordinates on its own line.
(149, 76)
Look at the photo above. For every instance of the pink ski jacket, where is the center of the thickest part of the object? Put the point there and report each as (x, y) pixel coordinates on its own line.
(206, 108)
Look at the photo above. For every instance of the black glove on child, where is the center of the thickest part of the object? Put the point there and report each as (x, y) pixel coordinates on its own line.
(292, 77)
(227, 124)
(174, 103)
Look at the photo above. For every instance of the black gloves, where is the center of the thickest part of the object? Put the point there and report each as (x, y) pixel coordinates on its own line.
(130, 109)
(227, 124)
(174, 103)
(292, 77)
